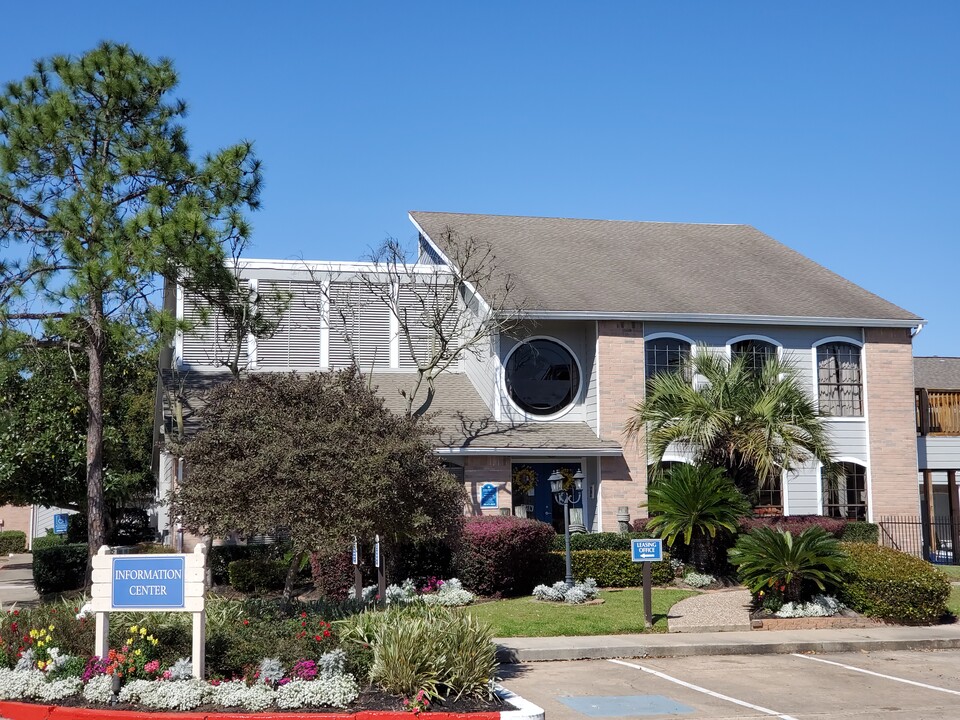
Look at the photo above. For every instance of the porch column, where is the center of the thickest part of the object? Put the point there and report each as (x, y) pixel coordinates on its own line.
(954, 520)
(931, 525)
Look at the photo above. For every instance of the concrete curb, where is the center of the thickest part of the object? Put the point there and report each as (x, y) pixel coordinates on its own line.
(686, 645)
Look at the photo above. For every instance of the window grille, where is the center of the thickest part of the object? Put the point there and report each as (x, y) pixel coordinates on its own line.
(839, 380)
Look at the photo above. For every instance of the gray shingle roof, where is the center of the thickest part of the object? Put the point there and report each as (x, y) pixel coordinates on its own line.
(459, 415)
(607, 267)
(936, 373)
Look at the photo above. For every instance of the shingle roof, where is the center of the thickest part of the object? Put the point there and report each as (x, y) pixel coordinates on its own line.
(936, 373)
(609, 267)
(459, 415)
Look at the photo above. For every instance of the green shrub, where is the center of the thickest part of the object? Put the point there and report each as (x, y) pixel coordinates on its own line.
(434, 649)
(774, 559)
(598, 541)
(12, 541)
(610, 568)
(257, 575)
(59, 568)
(47, 541)
(891, 585)
(222, 555)
(859, 531)
(152, 548)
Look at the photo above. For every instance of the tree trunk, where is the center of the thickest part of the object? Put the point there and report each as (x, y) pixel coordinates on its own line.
(291, 581)
(96, 504)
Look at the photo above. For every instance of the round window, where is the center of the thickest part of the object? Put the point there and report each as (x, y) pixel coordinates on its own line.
(542, 377)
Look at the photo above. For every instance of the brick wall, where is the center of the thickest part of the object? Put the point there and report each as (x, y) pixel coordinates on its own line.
(888, 357)
(480, 470)
(620, 362)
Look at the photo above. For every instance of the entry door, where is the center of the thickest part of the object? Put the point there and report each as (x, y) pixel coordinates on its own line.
(546, 508)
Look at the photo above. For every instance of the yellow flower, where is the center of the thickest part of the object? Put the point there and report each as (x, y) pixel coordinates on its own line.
(129, 641)
(153, 640)
(41, 664)
(33, 634)
(136, 652)
(134, 628)
(50, 628)
(40, 643)
(143, 631)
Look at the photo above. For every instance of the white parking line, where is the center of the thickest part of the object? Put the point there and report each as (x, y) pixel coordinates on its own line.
(704, 690)
(880, 675)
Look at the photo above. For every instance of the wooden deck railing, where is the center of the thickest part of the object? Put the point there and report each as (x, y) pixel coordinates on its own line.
(938, 412)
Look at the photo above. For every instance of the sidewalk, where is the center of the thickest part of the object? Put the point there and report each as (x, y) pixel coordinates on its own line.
(16, 580)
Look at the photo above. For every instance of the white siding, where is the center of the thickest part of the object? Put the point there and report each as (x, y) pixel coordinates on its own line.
(802, 491)
(591, 399)
(481, 365)
(938, 452)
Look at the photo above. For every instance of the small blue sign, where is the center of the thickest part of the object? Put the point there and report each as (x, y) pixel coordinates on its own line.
(647, 550)
(488, 496)
(60, 523)
(141, 581)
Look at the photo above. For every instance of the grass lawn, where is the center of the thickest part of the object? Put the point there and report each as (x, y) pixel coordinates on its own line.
(621, 612)
(951, 571)
(953, 602)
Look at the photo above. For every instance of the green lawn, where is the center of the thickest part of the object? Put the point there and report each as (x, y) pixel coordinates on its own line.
(621, 612)
(951, 571)
(953, 602)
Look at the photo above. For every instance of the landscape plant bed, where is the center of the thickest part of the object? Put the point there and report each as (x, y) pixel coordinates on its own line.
(847, 620)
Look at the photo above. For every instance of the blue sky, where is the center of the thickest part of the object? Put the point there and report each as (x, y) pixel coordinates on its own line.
(832, 127)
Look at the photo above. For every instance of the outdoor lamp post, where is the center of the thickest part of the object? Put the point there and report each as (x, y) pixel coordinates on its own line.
(567, 498)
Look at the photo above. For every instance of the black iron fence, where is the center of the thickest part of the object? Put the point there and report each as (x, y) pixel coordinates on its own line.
(936, 540)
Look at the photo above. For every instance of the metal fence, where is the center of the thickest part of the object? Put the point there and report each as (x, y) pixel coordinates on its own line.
(937, 541)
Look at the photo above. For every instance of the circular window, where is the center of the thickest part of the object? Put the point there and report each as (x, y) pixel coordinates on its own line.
(542, 377)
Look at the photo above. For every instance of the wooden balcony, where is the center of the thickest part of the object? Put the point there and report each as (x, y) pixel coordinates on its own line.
(938, 412)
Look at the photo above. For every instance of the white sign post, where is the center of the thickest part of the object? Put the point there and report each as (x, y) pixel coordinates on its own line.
(150, 583)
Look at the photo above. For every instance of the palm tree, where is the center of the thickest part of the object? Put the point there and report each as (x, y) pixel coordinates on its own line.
(754, 425)
(694, 502)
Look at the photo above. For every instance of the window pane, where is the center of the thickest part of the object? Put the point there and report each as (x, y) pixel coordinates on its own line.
(542, 377)
(756, 352)
(847, 496)
(665, 355)
(838, 378)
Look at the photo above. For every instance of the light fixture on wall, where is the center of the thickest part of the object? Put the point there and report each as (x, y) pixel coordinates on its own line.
(567, 496)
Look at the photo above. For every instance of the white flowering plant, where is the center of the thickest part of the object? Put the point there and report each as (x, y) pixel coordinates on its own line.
(559, 592)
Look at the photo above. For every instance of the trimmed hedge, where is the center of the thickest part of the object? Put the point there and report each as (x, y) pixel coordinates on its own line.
(610, 568)
(795, 524)
(597, 541)
(858, 531)
(258, 575)
(59, 568)
(47, 541)
(13, 541)
(222, 555)
(502, 555)
(891, 585)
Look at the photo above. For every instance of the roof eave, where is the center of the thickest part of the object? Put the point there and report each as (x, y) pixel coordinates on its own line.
(531, 451)
(724, 319)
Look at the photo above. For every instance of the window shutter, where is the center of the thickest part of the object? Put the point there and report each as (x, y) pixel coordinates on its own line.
(296, 343)
(361, 320)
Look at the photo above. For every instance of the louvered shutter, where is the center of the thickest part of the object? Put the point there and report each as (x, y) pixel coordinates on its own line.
(296, 343)
(360, 320)
(210, 342)
(421, 308)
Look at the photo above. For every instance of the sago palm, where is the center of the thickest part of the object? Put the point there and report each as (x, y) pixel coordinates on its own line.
(694, 502)
(755, 425)
(767, 558)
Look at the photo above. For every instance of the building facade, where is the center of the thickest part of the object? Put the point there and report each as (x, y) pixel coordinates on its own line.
(604, 306)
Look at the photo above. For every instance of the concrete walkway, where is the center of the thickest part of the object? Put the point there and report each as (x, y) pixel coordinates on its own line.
(16, 580)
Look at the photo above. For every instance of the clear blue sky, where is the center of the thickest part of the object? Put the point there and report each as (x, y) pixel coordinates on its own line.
(833, 127)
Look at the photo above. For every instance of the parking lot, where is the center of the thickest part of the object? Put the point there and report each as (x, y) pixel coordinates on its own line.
(888, 685)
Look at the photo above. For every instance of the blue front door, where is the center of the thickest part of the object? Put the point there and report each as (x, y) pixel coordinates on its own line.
(545, 507)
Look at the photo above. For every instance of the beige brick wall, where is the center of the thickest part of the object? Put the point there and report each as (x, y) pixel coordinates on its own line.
(16, 518)
(888, 355)
(620, 362)
(480, 470)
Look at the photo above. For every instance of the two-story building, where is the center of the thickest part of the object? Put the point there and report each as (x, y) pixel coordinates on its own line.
(604, 305)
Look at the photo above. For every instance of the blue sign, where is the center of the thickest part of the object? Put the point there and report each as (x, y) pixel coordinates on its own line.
(141, 581)
(647, 550)
(60, 523)
(488, 496)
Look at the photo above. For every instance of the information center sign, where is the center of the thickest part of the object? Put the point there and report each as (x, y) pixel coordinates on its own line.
(142, 581)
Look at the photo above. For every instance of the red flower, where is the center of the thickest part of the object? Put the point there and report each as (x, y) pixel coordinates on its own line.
(246, 622)
(317, 637)
(303, 614)
(326, 633)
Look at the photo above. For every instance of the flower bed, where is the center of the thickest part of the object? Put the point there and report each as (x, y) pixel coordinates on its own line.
(409, 658)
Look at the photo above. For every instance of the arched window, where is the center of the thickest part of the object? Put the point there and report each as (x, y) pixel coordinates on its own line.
(542, 377)
(665, 355)
(757, 353)
(846, 496)
(839, 379)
